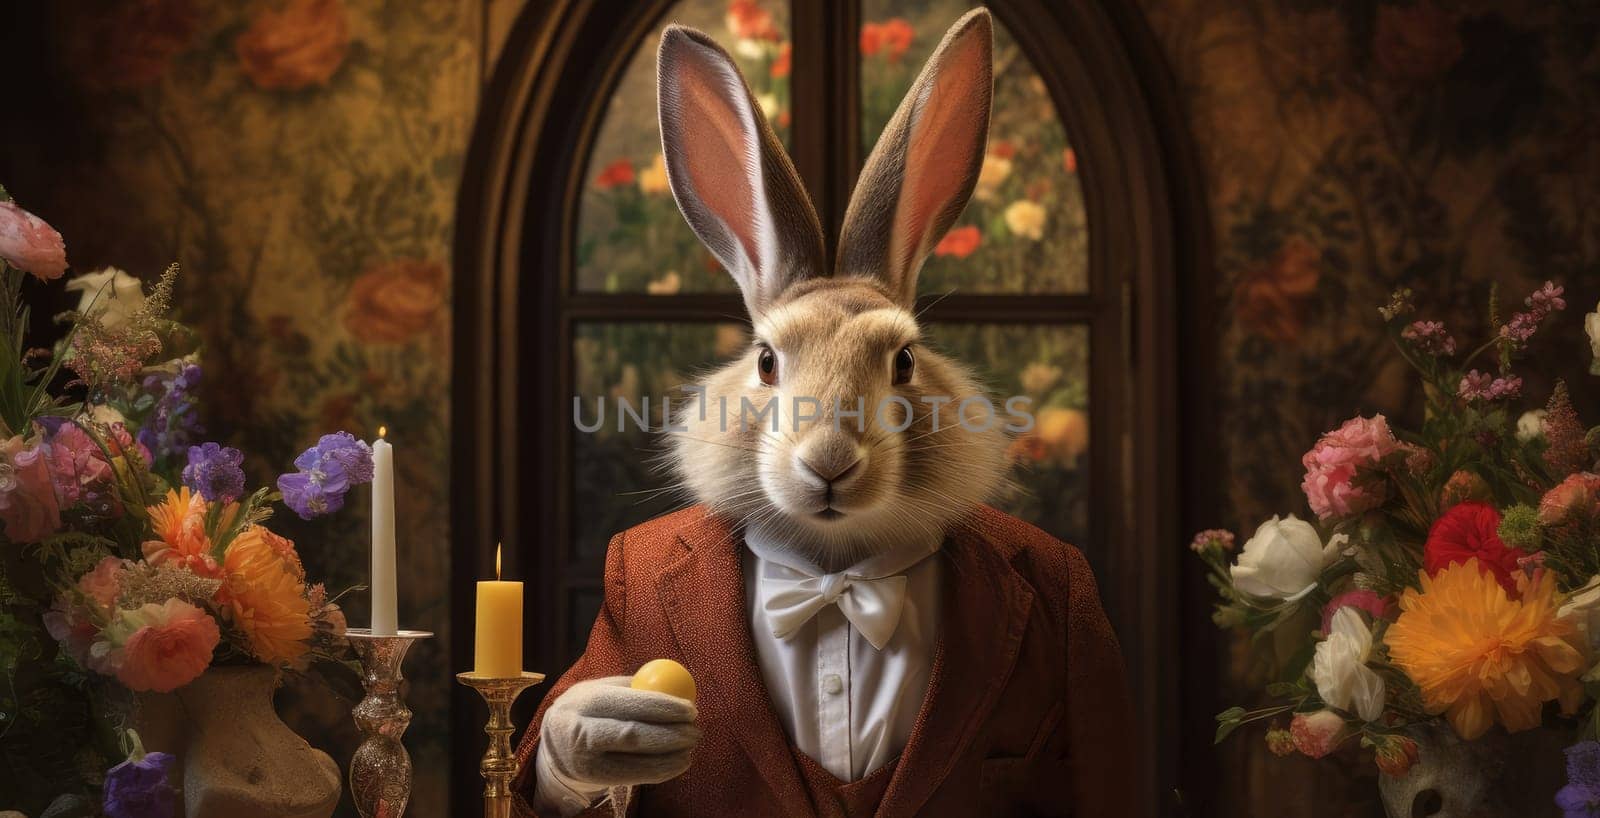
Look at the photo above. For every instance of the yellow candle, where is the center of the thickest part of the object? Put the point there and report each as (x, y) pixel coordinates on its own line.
(498, 648)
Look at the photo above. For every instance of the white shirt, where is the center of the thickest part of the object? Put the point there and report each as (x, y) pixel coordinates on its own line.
(848, 705)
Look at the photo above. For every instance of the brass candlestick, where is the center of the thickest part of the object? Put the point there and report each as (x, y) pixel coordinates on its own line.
(380, 771)
(499, 764)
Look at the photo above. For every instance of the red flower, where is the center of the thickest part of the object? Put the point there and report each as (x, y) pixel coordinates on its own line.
(1472, 529)
(616, 174)
(896, 38)
(959, 242)
(781, 63)
(1004, 148)
(1069, 160)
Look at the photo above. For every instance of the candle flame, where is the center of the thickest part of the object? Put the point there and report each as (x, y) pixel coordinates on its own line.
(497, 547)
(383, 432)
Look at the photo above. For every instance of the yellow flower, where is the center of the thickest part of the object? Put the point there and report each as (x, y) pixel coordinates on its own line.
(1026, 219)
(265, 595)
(994, 170)
(653, 180)
(1479, 655)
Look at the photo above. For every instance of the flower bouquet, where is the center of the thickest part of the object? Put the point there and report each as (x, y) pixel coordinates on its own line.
(132, 556)
(1449, 573)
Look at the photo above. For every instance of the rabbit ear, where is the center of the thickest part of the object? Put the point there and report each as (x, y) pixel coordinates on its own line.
(923, 169)
(731, 177)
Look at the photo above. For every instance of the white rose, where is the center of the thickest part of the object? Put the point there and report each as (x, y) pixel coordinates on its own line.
(1283, 559)
(1591, 325)
(111, 293)
(1583, 609)
(1026, 219)
(1339, 667)
(1531, 425)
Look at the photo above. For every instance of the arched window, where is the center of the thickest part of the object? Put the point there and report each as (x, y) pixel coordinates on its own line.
(576, 275)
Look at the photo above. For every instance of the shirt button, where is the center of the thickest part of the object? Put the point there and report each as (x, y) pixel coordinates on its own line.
(832, 684)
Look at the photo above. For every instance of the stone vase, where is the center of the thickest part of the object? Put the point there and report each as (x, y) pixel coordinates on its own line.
(236, 756)
(1496, 776)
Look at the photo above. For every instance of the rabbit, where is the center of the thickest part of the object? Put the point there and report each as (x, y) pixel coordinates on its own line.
(840, 468)
(836, 489)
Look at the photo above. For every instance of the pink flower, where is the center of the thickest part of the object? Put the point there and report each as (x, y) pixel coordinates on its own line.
(1317, 734)
(1331, 466)
(1577, 494)
(1477, 385)
(1364, 600)
(30, 245)
(171, 646)
(28, 503)
(77, 463)
(66, 624)
(103, 582)
(1430, 337)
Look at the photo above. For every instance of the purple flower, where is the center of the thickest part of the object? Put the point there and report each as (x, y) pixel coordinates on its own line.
(172, 425)
(1580, 798)
(326, 472)
(214, 471)
(138, 788)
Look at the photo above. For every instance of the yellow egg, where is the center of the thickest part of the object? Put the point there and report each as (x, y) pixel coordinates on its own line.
(665, 676)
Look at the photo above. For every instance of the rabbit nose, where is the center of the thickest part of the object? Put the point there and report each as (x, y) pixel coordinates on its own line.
(831, 462)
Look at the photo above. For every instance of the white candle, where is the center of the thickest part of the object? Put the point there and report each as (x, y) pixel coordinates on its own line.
(383, 605)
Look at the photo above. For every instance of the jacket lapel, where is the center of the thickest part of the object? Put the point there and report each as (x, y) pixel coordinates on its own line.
(987, 605)
(704, 599)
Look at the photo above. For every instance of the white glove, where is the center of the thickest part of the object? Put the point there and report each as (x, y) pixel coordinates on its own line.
(602, 733)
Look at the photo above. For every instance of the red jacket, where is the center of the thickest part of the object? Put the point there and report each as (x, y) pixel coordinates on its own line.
(1027, 712)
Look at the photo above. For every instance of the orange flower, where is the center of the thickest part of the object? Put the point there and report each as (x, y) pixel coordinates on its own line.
(1003, 148)
(1480, 656)
(781, 64)
(1069, 160)
(959, 242)
(299, 46)
(179, 523)
(747, 20)
(616, 174)
(264, 592)
(891, 37)
(395, 301)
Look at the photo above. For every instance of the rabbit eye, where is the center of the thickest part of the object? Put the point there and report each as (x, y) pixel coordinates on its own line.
(904, 363)
(767, 366)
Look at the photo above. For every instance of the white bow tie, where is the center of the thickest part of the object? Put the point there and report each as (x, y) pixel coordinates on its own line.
(870, 594)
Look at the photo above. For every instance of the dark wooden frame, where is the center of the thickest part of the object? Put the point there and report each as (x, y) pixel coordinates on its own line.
(513, 302)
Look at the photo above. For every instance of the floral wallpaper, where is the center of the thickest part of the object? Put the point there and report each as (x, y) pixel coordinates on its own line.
(1349, 149)
(299, 159)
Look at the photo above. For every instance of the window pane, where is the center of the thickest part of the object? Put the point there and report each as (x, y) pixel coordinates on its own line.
(1024, 231)
(631, 237)
(618, 473)
(1050, 365)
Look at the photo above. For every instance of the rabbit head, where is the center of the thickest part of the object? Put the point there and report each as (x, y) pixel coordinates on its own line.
(839, 429)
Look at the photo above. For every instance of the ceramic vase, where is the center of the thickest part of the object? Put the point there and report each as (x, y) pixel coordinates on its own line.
(1496, 776)
(237, 758)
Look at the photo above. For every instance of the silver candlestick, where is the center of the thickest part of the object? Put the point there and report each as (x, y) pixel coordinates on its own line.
(380, 771)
